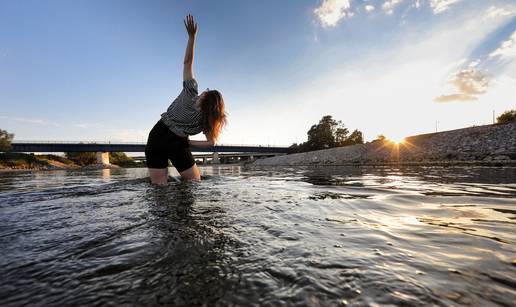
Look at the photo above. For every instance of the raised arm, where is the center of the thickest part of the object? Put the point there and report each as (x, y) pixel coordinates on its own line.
(191, 28)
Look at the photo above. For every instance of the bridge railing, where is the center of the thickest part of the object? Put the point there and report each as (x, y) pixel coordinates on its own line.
(75, 142)
(129, 143)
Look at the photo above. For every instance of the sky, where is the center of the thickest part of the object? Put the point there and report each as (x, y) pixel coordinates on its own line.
(98, 70)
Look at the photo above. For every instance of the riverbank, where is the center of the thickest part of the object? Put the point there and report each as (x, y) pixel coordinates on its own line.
(31, 162)
(490, 145)
(22, 161)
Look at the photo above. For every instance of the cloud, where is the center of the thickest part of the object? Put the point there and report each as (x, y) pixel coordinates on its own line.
(88, 125)
(128, 135)
(455, 97)
(36, 121)
(332, 11)
(474, 64)
(507, 49)
(440, 6)
(369, 8)
(495, 12)
(389, 5)
(470, 83)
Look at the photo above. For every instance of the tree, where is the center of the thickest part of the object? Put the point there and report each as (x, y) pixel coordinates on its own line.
(322, 135)
(381, 138)
(328, 133)
(82, 158)
(121, 159)
(341, 136)
(506, 117)
(5, 140)
(355, 137)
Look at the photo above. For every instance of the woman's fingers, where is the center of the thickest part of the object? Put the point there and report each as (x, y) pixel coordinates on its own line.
(190, 24)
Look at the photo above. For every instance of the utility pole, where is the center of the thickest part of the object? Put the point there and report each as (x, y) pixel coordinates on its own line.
(493, 117)
(436, 124)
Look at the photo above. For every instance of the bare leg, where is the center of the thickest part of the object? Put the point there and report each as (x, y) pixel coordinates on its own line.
(158, 175)
(191, 174)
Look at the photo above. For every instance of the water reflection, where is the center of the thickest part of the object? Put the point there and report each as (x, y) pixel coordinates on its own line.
(106, 174)
(260, 236)
(192, 266)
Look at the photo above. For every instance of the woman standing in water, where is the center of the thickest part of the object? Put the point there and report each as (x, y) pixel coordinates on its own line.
(188, 114)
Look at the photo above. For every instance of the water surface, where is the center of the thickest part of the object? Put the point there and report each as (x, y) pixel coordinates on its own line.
(260, 236)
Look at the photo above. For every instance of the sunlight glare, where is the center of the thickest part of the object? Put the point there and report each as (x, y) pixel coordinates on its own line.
(397, 140)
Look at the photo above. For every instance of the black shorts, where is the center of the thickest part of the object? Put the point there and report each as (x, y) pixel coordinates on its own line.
(163, 144)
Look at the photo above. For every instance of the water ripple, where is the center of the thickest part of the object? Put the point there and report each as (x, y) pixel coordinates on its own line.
(260, 236)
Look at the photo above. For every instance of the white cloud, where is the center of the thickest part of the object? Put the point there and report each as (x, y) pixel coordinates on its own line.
(36, 121)
(507, 49)
(470, 83)
(439, 6)
(88, 125)
(474, 64)
(128, 135)
(495, 12)
(332, 11)
(389, 5)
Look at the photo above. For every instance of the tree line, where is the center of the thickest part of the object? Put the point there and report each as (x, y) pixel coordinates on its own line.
(328, 133)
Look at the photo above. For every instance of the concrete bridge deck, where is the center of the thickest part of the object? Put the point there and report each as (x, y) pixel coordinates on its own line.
(104, 148)
(49, 146)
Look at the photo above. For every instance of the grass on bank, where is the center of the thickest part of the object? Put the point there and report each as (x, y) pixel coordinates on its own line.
(11, 160)
(21, 161)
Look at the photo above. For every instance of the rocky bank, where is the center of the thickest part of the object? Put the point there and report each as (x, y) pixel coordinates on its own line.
(490, 144)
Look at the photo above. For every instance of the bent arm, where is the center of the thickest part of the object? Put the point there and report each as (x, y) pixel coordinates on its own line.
(206, 143)
(201, 143)
(191, 28)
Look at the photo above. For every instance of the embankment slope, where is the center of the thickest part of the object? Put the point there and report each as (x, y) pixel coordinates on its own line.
(489, 144)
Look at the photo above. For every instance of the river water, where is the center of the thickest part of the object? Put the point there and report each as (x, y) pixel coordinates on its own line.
(326, 236)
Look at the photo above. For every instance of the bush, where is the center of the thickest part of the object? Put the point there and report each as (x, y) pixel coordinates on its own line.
(21, 160)
(5, 140)
(121, 159)
(57, 158)
(506, 117)
(82, 158)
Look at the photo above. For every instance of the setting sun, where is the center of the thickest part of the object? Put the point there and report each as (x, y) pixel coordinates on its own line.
(397, 140)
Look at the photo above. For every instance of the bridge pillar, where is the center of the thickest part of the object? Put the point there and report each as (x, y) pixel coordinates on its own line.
(203, 160)
(103, 157)
(215, 159)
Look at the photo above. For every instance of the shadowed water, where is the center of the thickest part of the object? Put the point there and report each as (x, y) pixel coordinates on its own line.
(250, 236)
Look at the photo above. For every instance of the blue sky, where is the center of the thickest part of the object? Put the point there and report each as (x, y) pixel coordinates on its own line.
(106, 70)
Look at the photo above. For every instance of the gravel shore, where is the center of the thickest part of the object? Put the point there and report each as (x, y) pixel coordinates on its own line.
(481, 145)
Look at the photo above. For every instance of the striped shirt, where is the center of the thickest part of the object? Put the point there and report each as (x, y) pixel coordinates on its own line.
(182, 117)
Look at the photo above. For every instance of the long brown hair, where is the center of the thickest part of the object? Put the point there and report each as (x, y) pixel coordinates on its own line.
(213, 115)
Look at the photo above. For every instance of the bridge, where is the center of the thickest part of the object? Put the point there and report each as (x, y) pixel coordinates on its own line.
(104, 148)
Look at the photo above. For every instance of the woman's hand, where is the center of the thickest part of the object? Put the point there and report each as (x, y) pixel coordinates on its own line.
(191, 25)
(191, 28)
